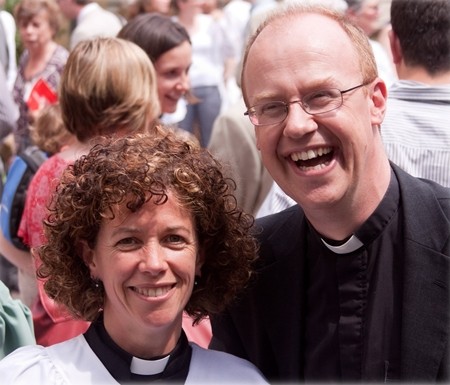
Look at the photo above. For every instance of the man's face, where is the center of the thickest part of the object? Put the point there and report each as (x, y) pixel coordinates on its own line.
(324, 159)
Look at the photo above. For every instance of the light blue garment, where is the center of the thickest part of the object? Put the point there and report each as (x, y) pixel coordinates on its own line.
(16, 324)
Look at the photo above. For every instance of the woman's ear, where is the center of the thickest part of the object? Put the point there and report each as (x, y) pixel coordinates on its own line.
(199, 263)
(87, 254)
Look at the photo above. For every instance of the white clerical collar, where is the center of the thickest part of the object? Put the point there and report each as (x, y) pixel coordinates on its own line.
(351, 245)
(148, 367)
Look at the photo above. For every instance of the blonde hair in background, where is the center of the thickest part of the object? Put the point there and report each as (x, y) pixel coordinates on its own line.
(48, 132)
(108, 84)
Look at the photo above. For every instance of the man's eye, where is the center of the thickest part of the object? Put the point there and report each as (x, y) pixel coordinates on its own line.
(272, 108)
(319, 97)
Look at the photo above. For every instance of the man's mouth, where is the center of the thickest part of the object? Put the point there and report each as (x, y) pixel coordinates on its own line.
(314, 159)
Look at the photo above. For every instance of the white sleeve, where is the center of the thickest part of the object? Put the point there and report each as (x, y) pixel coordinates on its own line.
(30, 365)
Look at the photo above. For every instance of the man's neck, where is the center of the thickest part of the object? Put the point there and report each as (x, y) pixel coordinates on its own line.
(419, 74)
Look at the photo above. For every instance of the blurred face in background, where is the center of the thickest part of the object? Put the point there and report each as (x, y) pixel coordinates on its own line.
(367, 16)
(36, 31)
(161, 6)
(172, 75)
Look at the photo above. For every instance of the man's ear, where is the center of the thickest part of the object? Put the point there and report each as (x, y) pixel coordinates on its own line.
(378, 97)
(396, 49)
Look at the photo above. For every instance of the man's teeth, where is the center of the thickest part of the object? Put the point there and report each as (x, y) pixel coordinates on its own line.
(153, 292)
(310, 154)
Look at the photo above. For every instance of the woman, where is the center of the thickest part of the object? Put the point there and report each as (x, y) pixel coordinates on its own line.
(168, 45)
(97, 98)
(43, 60)
(213, 63)
(141, 229)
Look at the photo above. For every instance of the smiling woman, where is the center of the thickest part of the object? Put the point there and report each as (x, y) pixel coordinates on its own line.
(140, 230)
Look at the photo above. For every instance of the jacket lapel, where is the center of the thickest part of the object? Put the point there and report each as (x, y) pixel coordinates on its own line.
(284, 278)
(426, 309)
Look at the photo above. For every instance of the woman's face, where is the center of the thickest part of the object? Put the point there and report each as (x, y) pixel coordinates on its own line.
(36, 32)
(172, 75)
(147, 261)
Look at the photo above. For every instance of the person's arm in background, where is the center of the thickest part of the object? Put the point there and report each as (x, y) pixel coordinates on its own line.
(8, 110)
(16, 325)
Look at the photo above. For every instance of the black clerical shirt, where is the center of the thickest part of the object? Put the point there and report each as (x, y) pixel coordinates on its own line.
(352, 330)
(118, 362)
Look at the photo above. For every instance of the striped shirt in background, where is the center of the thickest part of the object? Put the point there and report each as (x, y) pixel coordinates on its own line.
(416, 129)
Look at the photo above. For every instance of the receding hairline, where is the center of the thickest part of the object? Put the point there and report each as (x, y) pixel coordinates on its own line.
(292, 12)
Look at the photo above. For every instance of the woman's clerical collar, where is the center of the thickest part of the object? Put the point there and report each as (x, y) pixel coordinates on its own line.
(352, 244)
(148, 367)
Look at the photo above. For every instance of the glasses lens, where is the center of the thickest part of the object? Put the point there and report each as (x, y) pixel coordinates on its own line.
(319, 102)
(268, 113)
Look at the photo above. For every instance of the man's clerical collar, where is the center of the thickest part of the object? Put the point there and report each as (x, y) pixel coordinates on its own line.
(352, 244)
(148, 367)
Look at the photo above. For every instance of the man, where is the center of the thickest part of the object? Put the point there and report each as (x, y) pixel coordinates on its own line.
(416, 131)
(91, 20)
(352, 283)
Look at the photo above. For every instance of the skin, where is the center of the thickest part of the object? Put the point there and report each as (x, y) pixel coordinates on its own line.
(69, 8)
(36, 33)
(172, 75)
(162, 6)
(147, 262)
(339, 191)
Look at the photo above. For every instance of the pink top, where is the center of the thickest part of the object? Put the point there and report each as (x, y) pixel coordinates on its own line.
(52, 324)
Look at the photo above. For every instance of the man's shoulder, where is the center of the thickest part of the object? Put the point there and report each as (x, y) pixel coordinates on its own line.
(292, 216)
(424, 189)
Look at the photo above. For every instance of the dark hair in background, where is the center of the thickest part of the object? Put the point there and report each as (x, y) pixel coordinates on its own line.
(154, 33)
(423, 29)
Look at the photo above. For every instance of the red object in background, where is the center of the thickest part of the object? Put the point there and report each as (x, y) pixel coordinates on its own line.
(41, 95)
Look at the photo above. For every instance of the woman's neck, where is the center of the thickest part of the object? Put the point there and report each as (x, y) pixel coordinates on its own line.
(38, 59)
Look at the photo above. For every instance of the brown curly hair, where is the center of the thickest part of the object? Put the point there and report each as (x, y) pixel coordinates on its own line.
(132, 170)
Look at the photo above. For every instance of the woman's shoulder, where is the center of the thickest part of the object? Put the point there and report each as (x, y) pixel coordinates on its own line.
(26, 365)
(211, 366)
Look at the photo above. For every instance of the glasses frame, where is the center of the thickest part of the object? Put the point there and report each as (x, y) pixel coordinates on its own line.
(300, 102)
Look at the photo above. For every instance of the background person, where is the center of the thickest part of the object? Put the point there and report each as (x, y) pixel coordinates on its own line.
(38, 22)
(415, 131)
(168, 45)
(364, 255)
(90, 20)
(8, 45)
(167, 236)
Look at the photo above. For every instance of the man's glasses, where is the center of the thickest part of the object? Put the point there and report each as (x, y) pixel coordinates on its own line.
(317, 102)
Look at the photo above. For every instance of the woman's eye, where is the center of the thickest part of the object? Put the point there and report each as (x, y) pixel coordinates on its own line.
(128, 242)
(173, 238)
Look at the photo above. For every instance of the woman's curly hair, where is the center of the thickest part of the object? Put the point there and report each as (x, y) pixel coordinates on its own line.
(133, 170)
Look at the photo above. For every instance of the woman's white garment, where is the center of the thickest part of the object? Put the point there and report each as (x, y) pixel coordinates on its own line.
(74, 362)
